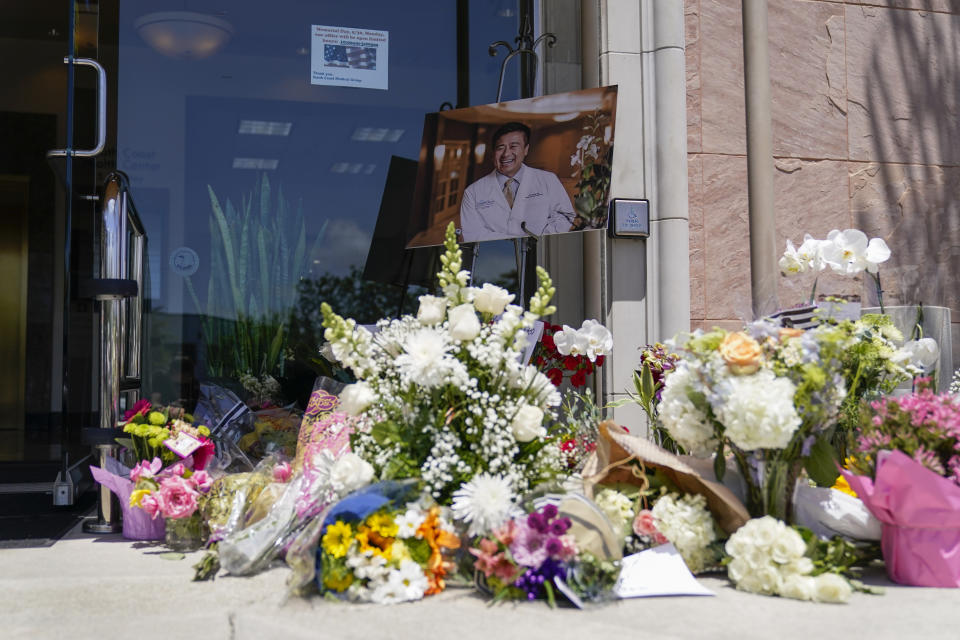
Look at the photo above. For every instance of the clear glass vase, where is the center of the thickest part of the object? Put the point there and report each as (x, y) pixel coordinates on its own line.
(771, 483)
(185, 534)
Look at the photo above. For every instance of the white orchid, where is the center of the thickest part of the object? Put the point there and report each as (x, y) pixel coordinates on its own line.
(592, 339)
(849, 252)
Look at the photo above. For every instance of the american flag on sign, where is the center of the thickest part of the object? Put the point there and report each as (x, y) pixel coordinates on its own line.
(339, 55)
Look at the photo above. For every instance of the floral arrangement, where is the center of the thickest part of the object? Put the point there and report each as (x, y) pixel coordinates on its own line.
(924, 425)
(149, 428)
(442, 395)
(681, 519)
(392, 555)
(528, 556)
(766, 394)
(173, 492)
(565, 352)
(846, 252)
(655, 363)
(770, 558)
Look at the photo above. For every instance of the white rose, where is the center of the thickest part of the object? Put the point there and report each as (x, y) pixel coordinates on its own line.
(832, 588)
(788, 546)
(431, 309)
(798, 587)
(527, 426)
(464, 323)
(350, 472)
(491, 299)
(356, 397)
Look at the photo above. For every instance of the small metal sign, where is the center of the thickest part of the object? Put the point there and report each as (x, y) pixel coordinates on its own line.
(629, 218)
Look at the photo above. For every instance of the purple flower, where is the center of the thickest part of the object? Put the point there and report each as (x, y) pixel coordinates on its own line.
(537, 522)
(554, 547)
(559, 526)
(549, 511)
(527, 547)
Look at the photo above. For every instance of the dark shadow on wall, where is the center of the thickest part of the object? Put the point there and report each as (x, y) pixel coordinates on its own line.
(910, 195)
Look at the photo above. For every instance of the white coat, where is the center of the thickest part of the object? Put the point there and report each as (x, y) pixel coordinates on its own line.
(541, 202)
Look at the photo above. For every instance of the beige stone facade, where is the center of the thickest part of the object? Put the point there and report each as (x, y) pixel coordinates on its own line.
(866, 127)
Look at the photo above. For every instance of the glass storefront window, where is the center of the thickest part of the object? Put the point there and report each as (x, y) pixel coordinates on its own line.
(259, 189)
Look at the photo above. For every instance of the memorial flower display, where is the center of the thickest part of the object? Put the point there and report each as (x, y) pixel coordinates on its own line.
(442, 396)
(534, 557)
(908, 458)
(767, 395)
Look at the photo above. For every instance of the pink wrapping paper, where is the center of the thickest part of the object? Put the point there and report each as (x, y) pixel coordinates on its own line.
(920, 512)
(137, 524)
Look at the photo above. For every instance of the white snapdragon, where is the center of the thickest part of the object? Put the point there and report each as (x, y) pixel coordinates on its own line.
(432, 310)
(491, 299)
(464, 323)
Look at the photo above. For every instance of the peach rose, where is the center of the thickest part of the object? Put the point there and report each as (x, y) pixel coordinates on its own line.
(790, 332)
(741, 353)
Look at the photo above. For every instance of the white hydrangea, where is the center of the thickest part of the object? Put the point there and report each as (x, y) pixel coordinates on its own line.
(758, 411)
(768, 557)
(687, 523)
(685, 423)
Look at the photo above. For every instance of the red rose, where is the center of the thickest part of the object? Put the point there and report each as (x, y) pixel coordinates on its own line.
(571, 363)
(548, 343)
(556, 376)
(599, 361)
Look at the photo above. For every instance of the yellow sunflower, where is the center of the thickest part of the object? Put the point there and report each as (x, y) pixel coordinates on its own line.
(337, 539)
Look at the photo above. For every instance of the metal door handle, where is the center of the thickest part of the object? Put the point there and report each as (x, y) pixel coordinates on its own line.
(101, 113)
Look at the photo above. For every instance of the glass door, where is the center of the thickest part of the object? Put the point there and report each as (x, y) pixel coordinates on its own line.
(50, 132)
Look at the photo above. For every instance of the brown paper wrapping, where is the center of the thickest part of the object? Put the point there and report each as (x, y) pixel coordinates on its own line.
(616, 448)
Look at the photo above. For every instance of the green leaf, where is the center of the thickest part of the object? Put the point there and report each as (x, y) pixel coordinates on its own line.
(821, 464)
(719, 463)
(647, 387)
(386, 432)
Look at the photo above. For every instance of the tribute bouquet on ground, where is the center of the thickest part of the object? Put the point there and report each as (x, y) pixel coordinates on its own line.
(442, 395)
(767, 395)
(908, 454)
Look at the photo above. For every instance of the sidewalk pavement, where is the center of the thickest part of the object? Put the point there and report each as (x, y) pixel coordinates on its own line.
(106, 587)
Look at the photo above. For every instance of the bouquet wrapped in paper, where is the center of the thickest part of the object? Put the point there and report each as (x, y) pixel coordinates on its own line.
(909, 453)
(385, 544)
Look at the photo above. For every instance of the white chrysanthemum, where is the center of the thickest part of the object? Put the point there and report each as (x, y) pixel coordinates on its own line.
(682, 419)
(423, 352)
(686, 522)
(411, 576)
(758, 412)
(484, 503)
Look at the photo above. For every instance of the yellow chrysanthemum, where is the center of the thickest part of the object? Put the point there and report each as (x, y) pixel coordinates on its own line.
(337, 539)
(137, 496)
(383, 524)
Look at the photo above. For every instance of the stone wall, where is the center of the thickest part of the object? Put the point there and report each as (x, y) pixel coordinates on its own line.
(866, 127)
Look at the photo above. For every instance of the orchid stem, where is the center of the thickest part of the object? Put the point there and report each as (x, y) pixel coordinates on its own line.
(813, 291)
(876, 277)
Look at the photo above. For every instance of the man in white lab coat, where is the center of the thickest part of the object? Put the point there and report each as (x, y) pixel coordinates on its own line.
(514, 200)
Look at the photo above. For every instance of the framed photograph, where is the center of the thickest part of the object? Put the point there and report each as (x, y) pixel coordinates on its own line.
(528, 167)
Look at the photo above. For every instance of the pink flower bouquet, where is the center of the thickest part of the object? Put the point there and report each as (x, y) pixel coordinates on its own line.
(137, 524)
(912, 447)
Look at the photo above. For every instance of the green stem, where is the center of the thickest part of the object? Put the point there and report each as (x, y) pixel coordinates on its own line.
(813, 291)
(876, 278)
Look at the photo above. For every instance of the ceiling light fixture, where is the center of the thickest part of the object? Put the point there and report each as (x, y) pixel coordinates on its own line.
(185, 35)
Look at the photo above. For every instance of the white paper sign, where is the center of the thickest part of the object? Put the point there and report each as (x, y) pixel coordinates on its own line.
(534, 334)
(657, 572)
(183, 445)
(348, 57)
